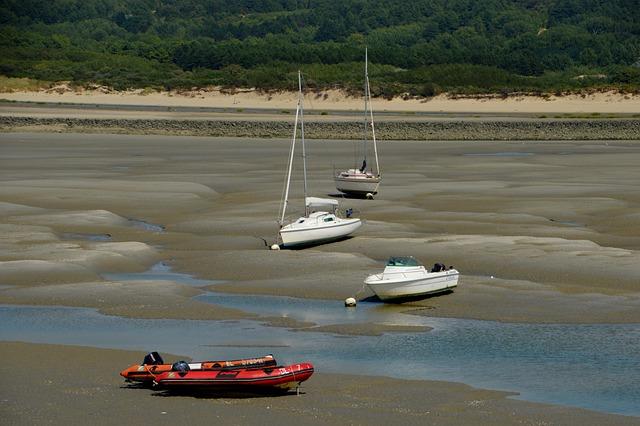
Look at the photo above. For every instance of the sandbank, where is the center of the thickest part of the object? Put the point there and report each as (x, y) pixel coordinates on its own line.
(77, 385)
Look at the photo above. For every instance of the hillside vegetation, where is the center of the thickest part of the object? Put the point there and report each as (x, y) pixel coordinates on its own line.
(417, 47)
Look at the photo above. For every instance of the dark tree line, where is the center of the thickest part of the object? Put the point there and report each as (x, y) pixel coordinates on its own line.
(514, 44)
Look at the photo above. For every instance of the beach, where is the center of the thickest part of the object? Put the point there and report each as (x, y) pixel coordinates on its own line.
(543, 232)
(331, 100)
(330, 115)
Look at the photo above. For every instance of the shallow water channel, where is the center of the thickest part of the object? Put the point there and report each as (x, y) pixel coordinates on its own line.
(591, 366)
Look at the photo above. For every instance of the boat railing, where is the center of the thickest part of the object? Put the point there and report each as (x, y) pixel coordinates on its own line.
(349, 213)
(290, 218)
(396, 274)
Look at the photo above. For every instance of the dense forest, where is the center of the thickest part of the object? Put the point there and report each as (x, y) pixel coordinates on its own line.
(416, 47)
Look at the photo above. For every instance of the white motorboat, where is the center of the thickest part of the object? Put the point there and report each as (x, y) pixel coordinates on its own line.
(360, 181)
(321, 222)
(404, 277)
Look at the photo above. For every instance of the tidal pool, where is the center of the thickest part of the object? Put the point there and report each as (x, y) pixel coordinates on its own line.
(88, 237)
(147, 226)
(499, 154)
(593, 366)
(160, 271)
(590, 366)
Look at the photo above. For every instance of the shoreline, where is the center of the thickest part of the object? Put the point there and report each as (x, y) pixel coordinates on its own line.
(331, 115)
(86, 393)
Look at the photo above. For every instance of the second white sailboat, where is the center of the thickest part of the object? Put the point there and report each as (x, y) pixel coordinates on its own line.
(361, 182)
(320, 222)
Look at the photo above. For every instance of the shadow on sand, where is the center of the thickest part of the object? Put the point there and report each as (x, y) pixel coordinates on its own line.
(349, 196)
(305, 246)
(406, 299)
(236, 393)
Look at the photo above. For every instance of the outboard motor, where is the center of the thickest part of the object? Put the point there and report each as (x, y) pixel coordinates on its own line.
(180, 367)
(438, 267)
(152, 358)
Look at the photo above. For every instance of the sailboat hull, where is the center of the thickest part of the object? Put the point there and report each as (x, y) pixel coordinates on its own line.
(294, 235)
(359, 185)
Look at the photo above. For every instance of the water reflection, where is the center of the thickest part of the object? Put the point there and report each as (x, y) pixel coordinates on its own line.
(161, 272)
(499, 154)
(147, 226)
(88, 237)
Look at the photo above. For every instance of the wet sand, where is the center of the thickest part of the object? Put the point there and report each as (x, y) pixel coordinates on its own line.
(78, 385)
(541, 232)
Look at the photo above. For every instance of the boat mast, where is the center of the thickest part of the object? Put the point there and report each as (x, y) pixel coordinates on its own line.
(304, 152)
(293, 146)
(366, 106)
(368, 96)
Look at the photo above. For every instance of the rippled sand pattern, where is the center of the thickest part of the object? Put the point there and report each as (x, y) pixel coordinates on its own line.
(541, 232)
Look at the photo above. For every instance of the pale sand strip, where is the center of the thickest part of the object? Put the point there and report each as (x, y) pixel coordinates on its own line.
(607, 102)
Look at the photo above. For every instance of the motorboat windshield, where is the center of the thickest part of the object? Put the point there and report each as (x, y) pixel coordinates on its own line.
(402, 261)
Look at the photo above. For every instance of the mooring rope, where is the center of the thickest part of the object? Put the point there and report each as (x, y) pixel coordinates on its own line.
(150, 372)
(362, 289)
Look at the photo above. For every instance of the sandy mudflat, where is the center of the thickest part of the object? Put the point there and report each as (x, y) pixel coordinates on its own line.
(78, 385)
(542, 232)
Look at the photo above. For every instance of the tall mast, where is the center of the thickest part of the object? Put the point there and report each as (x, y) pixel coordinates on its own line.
(366, 104)
(373, 129)
(304, 152)
(293, 147)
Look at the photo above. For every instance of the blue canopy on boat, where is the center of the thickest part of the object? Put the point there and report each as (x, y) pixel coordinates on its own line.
(402, 261)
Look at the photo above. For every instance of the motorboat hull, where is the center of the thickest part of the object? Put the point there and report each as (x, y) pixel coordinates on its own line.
(284, 377)
(358, 185)
(293, 236)
(412, 287)
(147, 372)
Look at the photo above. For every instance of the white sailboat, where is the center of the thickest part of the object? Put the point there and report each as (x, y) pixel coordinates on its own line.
(360, 181)
(320, 222)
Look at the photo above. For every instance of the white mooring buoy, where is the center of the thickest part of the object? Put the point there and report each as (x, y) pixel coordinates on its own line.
(275, 247)
(369, 196)
(349, 302)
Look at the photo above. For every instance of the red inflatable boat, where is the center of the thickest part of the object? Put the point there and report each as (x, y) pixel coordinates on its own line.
(153, 365)
(283, 377)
